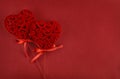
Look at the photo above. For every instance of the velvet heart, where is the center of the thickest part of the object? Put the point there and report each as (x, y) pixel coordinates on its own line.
(45, 34)
(18, 25)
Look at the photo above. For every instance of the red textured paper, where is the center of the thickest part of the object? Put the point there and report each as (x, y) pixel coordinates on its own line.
(90, 35)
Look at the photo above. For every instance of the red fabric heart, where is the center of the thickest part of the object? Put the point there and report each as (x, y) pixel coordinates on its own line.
(18, 25)
(45, 34)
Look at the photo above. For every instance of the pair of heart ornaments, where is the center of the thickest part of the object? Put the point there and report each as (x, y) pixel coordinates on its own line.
(43, 34)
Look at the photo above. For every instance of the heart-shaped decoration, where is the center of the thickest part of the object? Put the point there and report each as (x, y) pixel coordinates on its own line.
(45, 34)
(41, 33)
(18, 25)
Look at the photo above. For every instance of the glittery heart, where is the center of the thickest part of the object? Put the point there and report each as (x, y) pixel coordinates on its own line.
(18, 24)
(45, 34)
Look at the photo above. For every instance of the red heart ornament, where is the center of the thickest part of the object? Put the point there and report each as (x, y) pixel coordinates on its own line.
(45, 34)
(18, 25)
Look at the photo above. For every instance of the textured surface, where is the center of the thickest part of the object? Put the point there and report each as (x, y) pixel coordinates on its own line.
(19, 24)
(91, 39)
(45, 34)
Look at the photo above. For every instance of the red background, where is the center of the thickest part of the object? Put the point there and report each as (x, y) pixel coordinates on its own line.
(91, 39)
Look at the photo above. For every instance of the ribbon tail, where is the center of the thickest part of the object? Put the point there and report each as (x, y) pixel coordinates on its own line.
(25, 49)
(36, 57)
(52, 49)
